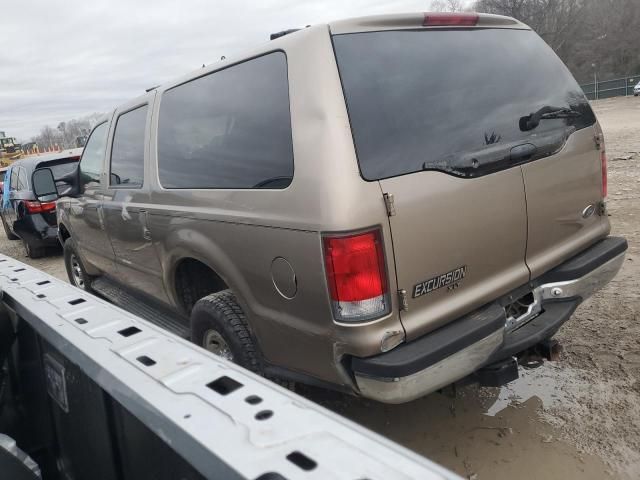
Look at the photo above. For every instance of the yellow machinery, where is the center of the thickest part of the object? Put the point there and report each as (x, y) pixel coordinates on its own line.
(10, 150)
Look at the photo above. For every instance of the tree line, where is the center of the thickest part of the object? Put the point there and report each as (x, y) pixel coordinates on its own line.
(592, 37)
(68, 134)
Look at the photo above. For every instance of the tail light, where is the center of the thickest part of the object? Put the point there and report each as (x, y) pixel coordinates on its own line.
(436, 19)
(39, 207)
(356, 275)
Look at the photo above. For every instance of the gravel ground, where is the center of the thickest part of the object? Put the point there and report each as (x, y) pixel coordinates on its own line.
(577, 418)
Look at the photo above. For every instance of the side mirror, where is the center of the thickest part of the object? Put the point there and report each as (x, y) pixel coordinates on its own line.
(44, 185)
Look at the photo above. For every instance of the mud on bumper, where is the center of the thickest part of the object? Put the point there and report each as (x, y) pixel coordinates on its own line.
(487, 335)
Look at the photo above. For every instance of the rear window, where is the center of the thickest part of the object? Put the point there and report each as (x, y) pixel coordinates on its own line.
(60, 168)
(229, 129)
(453, 100)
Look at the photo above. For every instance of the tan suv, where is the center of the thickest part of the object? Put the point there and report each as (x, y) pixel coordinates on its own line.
(380, 205)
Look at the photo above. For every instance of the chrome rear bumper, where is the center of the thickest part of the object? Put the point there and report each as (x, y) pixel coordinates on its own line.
(585, 286)
(400, 389)
(441, 374)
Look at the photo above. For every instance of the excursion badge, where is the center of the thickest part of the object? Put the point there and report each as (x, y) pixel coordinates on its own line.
(451, 280)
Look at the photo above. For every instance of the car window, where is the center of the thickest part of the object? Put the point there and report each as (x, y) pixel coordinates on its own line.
(61, 169)
(14, 178)
(22, 180)
(91, 164)
(228, 129)
(127, 151)
(452, 100)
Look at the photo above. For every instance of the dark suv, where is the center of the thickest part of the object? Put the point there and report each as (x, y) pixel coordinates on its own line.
(23, 215)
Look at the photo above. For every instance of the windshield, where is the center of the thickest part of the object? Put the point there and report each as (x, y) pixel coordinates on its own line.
(452, 100)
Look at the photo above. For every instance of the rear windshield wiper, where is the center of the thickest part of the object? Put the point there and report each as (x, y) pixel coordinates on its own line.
(529, 122)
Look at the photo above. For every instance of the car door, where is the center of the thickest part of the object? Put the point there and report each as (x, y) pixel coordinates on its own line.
(85, 211)
(17, 195)
(10, 208)
(126, 199)
(6, 202)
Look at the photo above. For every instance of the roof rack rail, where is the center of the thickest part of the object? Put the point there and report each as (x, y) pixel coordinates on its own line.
(273, 36)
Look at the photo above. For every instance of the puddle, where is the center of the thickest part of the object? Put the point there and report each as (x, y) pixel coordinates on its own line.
(549, 383)
(496, 433)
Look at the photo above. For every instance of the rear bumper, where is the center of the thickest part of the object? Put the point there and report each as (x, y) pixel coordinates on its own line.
(35, 229)
(460, 348)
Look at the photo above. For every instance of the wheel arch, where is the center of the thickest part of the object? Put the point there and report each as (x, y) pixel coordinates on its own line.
(63, 233)
(185, 290)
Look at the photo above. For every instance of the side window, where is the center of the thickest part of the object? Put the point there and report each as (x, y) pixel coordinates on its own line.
(127, 151)
(228, 129)
(22, 179)
(14, 178)
(91, 163)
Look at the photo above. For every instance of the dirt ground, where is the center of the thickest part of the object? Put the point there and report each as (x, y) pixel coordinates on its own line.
(574, 419)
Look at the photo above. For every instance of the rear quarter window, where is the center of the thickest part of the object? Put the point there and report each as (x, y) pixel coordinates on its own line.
(452, 100)
(60, 168)
(230, 129)
(23, 183)
(14, 178)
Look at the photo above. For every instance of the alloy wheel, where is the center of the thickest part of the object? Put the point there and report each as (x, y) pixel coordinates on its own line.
(76, 271)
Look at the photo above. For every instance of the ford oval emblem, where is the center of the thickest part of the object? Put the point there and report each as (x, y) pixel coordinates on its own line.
(588, 211)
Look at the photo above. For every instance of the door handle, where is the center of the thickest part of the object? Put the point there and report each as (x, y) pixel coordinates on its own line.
(523, 153)
(100, 210)
(146, 233)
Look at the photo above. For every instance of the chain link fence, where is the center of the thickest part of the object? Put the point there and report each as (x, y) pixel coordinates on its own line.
(618, 87)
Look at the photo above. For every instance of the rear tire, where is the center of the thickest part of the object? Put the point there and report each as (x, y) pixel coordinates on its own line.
(219, 325)
(31, 251)
(10, 234)
(76, 272)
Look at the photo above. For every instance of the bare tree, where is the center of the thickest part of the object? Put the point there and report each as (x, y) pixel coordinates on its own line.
(447, 6)
(66, 133)
(604, 33)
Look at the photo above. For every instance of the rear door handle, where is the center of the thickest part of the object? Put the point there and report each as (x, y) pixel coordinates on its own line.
(100, 211)
(146, 233)
(522, 153)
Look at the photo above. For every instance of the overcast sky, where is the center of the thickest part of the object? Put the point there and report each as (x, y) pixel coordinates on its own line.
(63, 59)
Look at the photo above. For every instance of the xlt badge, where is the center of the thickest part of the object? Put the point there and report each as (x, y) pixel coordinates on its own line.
(451, 280)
